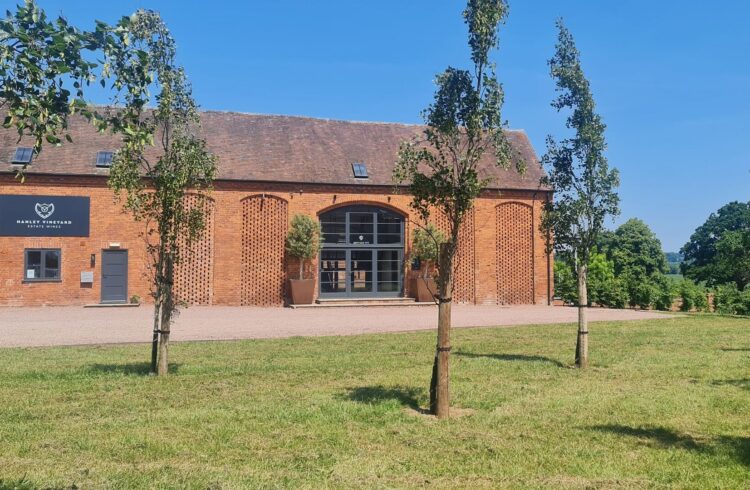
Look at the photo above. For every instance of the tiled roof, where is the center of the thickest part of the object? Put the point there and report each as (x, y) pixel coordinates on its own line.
(253, 147)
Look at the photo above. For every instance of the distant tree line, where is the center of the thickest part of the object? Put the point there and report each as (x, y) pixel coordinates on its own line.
(629, 269)
(674, 263)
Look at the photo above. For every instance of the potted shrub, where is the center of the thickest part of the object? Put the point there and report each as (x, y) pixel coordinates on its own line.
(303, 243)
(425, 247)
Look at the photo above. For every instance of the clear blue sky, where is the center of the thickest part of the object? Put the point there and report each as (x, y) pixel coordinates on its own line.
(670, 77)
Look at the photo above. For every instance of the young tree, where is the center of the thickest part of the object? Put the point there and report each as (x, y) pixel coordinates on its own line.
(156, 188)
(462, 124)
(39, 58)
(582, 181)
(303, 240)
(425, 246)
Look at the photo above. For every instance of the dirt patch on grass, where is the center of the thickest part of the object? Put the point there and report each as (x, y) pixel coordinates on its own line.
(425, 414)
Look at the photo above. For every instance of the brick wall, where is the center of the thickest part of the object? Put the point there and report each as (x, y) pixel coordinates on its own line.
(244, 243)
(109, 225)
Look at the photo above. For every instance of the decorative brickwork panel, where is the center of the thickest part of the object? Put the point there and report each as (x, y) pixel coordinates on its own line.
(515, 254)
(194, 274)
(464, 270)
(265, 220)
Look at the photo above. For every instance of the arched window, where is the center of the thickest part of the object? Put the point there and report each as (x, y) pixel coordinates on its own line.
(363, 248)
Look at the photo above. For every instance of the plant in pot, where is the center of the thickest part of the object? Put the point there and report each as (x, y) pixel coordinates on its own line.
(303, 243)
(425, 245)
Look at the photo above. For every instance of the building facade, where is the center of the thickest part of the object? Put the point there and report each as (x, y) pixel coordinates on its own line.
(64, 240)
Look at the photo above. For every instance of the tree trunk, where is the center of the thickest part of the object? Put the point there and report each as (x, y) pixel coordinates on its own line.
(582, 345)
(166, 315)
(163, 368)
(439, 385)
(155, 338)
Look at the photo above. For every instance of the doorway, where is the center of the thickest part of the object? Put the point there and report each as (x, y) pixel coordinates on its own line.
(362, 253)
(114, 276)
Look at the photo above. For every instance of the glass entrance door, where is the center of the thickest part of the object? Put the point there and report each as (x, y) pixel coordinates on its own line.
(360, 272)
(362, 254)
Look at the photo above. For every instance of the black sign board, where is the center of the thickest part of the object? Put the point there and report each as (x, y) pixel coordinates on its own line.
(44, 215)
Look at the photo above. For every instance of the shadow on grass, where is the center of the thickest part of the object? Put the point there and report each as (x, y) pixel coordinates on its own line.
(128, 369)
(656, 435)
(737, 447)
(743, 383)
(408, 397)
(512, 357)
(22, 484)
(735, 349)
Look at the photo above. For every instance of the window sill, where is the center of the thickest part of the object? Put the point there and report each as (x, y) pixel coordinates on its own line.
(33, 281)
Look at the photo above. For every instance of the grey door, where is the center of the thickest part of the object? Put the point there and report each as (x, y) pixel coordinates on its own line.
(114, 276)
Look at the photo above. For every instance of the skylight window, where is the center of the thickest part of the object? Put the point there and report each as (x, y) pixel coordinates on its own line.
(360, 171)
(104, 158)
(22, 155)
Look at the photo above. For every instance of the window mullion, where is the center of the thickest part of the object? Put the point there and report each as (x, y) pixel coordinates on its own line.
(346, 228)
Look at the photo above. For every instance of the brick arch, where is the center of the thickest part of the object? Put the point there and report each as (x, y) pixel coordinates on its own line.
(194, 274)
(378, 204)
(514, 221)
(265, 221)
(361, 202)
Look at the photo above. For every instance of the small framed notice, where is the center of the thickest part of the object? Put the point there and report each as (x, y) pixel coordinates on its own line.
(30, 274)
(87, 276)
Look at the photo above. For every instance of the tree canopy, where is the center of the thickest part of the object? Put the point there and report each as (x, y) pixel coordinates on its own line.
(702, 259)
(578, 171)
(43, 70)
(303, 240)
(732, 262)
(635, 247)
(46, 66)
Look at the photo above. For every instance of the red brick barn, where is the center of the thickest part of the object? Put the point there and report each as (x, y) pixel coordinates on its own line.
(85, 249)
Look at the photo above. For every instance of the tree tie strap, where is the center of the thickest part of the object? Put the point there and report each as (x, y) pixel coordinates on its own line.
(161, 331)
(444, 349)
(583, 333)
(445, 300)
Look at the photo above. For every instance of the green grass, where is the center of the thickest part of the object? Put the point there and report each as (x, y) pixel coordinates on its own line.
(666, 404)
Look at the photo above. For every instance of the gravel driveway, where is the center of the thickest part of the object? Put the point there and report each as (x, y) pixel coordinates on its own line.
(73, 325)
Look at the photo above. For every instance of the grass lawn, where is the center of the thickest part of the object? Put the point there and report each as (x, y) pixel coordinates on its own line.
(666, 404)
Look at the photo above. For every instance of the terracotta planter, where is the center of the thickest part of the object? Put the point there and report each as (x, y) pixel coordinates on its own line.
(412, 289)
(425, 289)
(302, 291)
